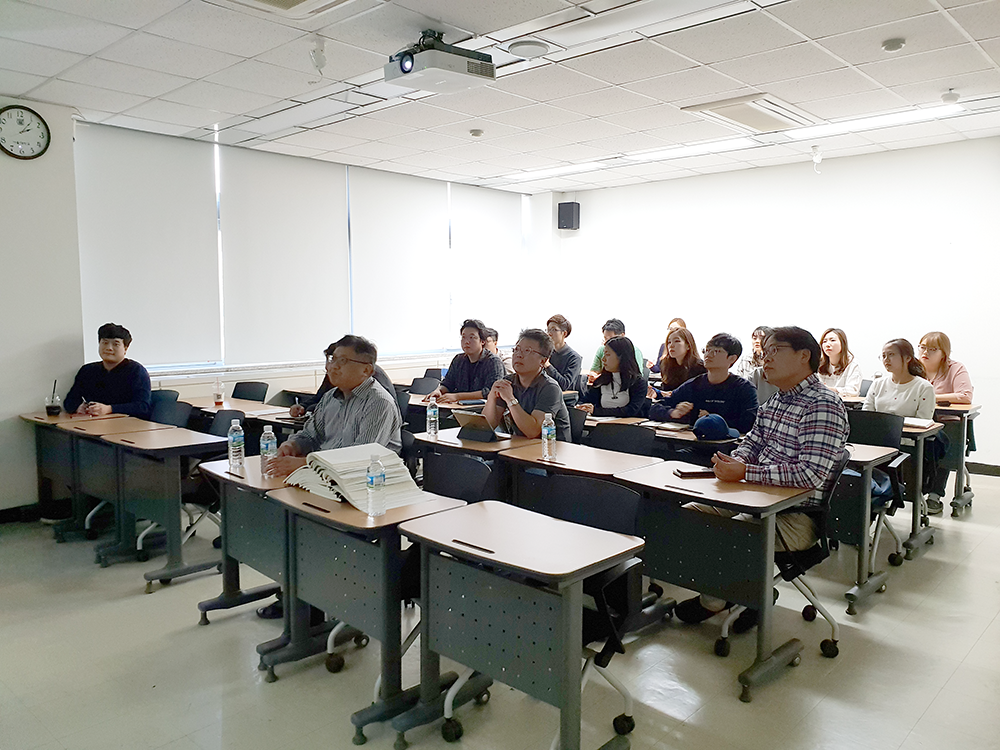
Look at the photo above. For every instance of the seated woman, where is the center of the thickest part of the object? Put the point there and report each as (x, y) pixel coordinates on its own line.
(680, 363)
(837, 369)
(672, 326)
(619, 390)
(755, 358)
(953, 385)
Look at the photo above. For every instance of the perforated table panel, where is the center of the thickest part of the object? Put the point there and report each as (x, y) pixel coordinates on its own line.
(255, 531)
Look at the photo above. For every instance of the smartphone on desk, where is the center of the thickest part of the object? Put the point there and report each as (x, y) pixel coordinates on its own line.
(694, 473)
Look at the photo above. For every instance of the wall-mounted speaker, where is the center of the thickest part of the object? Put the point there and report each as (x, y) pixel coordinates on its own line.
(569, 215)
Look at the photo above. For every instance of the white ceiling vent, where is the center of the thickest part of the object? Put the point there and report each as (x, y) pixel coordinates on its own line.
(295, 10)
(757, 113)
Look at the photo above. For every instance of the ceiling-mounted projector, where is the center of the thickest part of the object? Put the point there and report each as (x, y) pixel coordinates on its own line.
(432, 65)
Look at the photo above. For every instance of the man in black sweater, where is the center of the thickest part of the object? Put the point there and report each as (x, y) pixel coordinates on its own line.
(115, 385)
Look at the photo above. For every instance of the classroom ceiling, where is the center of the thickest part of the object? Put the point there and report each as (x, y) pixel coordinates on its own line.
(614, 83)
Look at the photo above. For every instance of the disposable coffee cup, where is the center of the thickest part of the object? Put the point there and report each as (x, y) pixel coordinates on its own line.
(53, 406)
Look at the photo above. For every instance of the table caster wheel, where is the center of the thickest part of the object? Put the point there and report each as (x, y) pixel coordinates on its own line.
(852, 608)
(623, 724)
(796, 661)
(452, 730)
(90, 534)
(745, 695)
(361, 640)
(881, 589)
(401, 743)
(149, 587)
(829, 648)
(359, 736)
(270, 676)
(142, 555)
(809, 613)
(722, 647)
(930, 540)
(204, 619)
(483, 698)
(895, 559)
(334, 663)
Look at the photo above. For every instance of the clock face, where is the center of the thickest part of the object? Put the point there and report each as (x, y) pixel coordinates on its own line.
(23, 133)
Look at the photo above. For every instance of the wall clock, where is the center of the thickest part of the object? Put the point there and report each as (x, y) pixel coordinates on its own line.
(24, 134)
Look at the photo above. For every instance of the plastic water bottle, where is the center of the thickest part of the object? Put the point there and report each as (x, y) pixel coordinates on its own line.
(432, 417)
(548, 437)
(268, 450)
(376, 487)
(236, 441)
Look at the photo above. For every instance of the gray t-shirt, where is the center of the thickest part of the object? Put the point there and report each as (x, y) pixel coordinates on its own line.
(544, 395)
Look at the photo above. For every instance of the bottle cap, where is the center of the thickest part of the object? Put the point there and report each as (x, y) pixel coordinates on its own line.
(268, 428)
(236, 423)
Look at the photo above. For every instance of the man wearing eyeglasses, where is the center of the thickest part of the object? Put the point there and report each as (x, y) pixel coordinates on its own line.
(472, 373)
(521, 401)
(309, 403)
(356, 410)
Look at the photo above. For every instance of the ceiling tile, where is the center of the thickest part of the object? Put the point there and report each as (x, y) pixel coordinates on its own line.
(970, 85)
(430, 161)
(821, 18)
(548, 82)
(478, 169)
(485, 100)
(659, 116)
(50, 28)
(424, 140)
(39, 61)
(934, 140)
(684, 85)
(969, 123)
(702, 162)
(982, 20)
(128, 13)
(119, 77)
(576, 153)
(992, 48)
(277, 147)
(907, 132)
(209, 95)
(529, 141)
(388, 29)
(349, 159)
(250, 75)
(366, 128)
(222, 29)
(418, 115)
(484, 16)
(605, 102)
(936, 64)
(232, 136)
(321, 141)
(392, 166)
(585, 130)
(342, 60)
(378, 150)
(523, 161)
(79, 95)
(821, 86)
(855, 105)
(780, 64)
(178, 114)
(475, 152)
(537, 116)
(693, 132)
(623, 144)
(922, 34)
(629, 62)
(738, 36)
(148, 126)
(829, 143)
(167, 55)
(15, 83)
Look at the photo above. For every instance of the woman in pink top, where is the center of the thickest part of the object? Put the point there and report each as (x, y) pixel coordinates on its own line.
(953, 385)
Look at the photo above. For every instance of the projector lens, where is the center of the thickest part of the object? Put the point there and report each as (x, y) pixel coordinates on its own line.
(406, 62)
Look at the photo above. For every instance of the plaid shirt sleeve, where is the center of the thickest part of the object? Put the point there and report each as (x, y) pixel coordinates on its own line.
(495, 373)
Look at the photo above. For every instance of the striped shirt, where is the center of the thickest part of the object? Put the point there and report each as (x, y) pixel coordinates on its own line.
(798, 438)
(365, 415)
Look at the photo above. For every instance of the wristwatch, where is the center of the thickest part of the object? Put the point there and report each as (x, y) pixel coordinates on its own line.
(513, 402)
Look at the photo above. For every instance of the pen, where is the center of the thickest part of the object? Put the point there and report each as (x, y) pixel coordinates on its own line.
(682, 489)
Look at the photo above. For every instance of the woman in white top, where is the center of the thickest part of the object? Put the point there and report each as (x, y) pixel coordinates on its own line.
(837, 369)
(905, 392)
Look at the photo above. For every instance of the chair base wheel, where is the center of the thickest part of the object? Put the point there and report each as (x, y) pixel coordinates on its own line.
(809, 613)
(483, 698)
(896, 559)
(623, 724)
(90, 534)
(334, 663)
(452, 730)
(361, 640)
(142, 555)
(829, 648)
(722, 647)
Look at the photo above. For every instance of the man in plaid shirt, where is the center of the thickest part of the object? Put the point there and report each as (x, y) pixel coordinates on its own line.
(799, 435)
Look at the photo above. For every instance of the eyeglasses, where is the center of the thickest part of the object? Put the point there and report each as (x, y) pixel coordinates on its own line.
(928, 349)
(553, 329)
(712, 351)
(525, 352)
(770, 351)
(341, 361)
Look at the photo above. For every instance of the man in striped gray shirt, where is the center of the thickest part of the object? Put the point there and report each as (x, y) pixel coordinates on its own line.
(354, 412)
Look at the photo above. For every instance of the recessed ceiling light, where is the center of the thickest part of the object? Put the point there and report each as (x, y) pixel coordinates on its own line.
(528, 48)
(893, 45)
(475, 132)
(950, 97)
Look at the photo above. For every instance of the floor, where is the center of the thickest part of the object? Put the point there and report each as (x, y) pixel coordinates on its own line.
(88, 661)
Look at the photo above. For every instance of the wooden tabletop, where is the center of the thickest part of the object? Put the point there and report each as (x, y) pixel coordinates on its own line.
(41, 417)
(207, 404)
(957, 410)
(249, 475)
(592, 421)
(100, 427)
(513, 538)
(346, 516)
(449, 437)
(580, 459)
(863, 456)
(174, 439)
(755, 499)
(919, 433)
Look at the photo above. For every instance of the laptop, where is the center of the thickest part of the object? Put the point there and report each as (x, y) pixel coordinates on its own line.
(473, 423)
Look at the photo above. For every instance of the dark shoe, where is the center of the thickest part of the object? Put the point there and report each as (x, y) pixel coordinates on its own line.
(692, 611)
(934, 507)
(746, 621)
(273, 611)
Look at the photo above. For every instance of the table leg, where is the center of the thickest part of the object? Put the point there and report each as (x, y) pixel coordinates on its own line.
(963, 494)
(78, 501)
(571, 623)
(920, 534)
(866, 584)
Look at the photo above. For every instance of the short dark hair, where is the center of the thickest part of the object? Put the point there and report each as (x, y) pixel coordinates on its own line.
(540, 337)
(800, 340)
(491, 333)
(114, 331)
(614, 326)
(562, 322)
(727, 342)
(363, 348)
(474, 323)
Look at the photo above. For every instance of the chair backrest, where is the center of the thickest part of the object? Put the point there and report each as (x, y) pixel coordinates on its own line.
(285, 398)
(403, 402)
(571, 398)
(577, 420)
(624, 438)
(865, 385)
(457, 476)
(162, 395)
(591, 502)
(433, 372)
(250, 391)
(171, 412)
(875, 428)
(423, 386)
(223, 421)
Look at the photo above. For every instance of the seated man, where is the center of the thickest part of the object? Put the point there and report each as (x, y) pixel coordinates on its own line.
(610, 330)
(492, 337)
(309, 404)
(115, 385)
(472, 373)
(565, 362)
(797, 441)
(716, 392)
(520, 401)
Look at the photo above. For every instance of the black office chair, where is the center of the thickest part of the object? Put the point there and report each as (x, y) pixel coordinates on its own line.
(433, 372)
(250, 391)
(571, 398)
(423, 386)
(577, 421)
(865, 385)
(792, 567)
(162, 395)
(624, 438)
(457, 476)
(176, 413)
(285, 398)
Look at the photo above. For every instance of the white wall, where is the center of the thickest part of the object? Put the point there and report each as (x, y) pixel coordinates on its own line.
(42, 333)
(885, 245)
